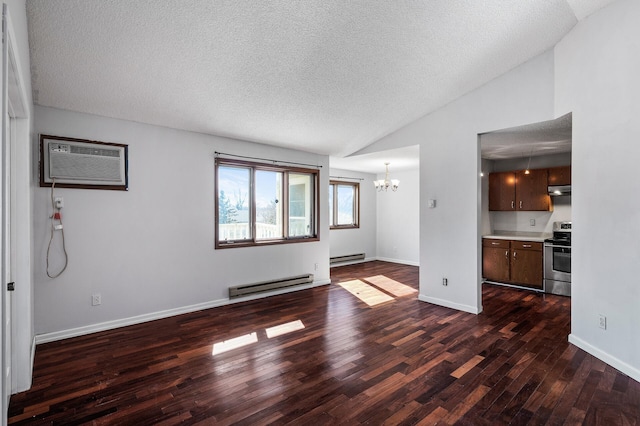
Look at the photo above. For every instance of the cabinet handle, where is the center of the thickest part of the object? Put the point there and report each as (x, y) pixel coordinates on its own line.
(526, 245)
(495, 244)
(513, 204)
(506, 254)
(520, 203)
(514, 254)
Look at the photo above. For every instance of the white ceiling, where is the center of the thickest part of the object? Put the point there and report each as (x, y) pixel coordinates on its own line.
(406, 158)
(325, 76)
(544, 138)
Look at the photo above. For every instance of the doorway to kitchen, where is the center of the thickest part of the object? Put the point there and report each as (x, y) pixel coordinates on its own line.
(525, 194)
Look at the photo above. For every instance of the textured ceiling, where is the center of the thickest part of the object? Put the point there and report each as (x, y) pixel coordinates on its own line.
(406, 158)
(544, 138)
(325, 76)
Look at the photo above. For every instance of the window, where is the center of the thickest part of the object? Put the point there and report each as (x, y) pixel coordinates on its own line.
(264, 204)
(344, 205)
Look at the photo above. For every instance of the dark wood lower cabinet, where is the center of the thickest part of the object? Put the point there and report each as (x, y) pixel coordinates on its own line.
(513, 262)
(495, 260)
(526, 264)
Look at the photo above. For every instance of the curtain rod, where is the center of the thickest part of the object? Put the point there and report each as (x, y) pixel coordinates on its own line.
(345, 177)
(267, 159)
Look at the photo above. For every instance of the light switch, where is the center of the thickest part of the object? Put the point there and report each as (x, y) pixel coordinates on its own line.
(432, 203)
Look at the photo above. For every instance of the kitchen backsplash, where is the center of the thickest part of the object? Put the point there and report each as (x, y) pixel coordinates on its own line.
(521, 221)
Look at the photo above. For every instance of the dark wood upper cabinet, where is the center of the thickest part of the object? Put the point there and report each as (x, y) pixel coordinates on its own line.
(531, 191)
(517, 191)
(560, 175)
(502, 191)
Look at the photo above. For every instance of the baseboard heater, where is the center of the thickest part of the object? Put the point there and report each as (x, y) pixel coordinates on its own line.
(347, 258)
(247, 289)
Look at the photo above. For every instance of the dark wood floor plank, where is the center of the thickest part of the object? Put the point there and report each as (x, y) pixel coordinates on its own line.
(403, 362)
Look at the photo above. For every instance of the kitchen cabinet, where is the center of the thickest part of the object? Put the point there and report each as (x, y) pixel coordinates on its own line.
(531, 191)
(526, 264)
(519, 191)
(496, 260)
(513, 262)
(559, 175)
(502, 191)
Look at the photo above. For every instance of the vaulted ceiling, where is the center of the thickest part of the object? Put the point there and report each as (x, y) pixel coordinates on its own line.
(325, 76)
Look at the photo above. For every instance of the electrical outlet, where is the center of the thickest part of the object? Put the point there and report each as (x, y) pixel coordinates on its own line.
(445, 282)
(316, 266)
(532, 222)
(59, 202)
(96, 299)
(603, 322)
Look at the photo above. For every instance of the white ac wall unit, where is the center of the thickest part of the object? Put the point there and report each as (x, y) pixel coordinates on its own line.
(78, 163)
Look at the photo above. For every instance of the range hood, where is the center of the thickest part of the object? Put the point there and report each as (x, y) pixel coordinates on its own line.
(557, 190)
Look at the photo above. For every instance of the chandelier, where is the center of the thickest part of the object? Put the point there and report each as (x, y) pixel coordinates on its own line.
(386, 183)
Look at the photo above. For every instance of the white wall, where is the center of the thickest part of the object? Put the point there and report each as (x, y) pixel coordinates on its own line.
(150, 251)
(486, 166)
(398, 216)
(521, 221)
(597, 67)
(363, 239)
(450, 173)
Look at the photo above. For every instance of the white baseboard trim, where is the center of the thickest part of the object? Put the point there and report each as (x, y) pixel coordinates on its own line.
(138, 319)
(403, 262)
(627, 369)
(353, 262)
(449, 304)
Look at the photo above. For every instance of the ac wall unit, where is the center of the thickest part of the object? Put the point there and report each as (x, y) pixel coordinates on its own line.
(79, 163)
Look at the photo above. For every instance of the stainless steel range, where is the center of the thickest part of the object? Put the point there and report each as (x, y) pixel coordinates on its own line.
(557, 260)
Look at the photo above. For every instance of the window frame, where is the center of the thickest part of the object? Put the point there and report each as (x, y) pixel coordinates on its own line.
(356, 205)
(285, 170)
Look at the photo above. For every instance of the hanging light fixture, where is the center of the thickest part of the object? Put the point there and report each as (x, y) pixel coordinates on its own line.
(384, 184)
(526, 172)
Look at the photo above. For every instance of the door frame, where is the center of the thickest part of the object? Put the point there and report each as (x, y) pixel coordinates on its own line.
(16, 112)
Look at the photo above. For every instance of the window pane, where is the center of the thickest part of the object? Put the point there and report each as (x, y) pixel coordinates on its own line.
(268, 205)
(346, 198)
(233, 203)
(300, 205)
(331, 205)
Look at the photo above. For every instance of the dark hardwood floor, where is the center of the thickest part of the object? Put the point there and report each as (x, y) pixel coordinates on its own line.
(399, 361)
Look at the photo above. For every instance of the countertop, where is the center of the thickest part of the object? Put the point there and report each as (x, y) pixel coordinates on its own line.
(519, 236)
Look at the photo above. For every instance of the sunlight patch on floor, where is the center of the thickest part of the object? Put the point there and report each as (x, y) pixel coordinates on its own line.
(391, 286)
(281, 329)
(365, 292)
(236, 342)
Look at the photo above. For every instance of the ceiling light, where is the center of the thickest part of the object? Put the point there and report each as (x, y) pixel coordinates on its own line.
(384, 184)
(526, 172)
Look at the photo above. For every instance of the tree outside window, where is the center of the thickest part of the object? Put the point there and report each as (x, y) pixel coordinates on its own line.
(264, 204)
(344, 205)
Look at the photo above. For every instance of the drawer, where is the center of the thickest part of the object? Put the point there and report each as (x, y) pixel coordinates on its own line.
(487, 242)
(526, 245)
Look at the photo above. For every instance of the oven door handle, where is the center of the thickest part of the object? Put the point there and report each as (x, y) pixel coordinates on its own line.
(555, 246)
